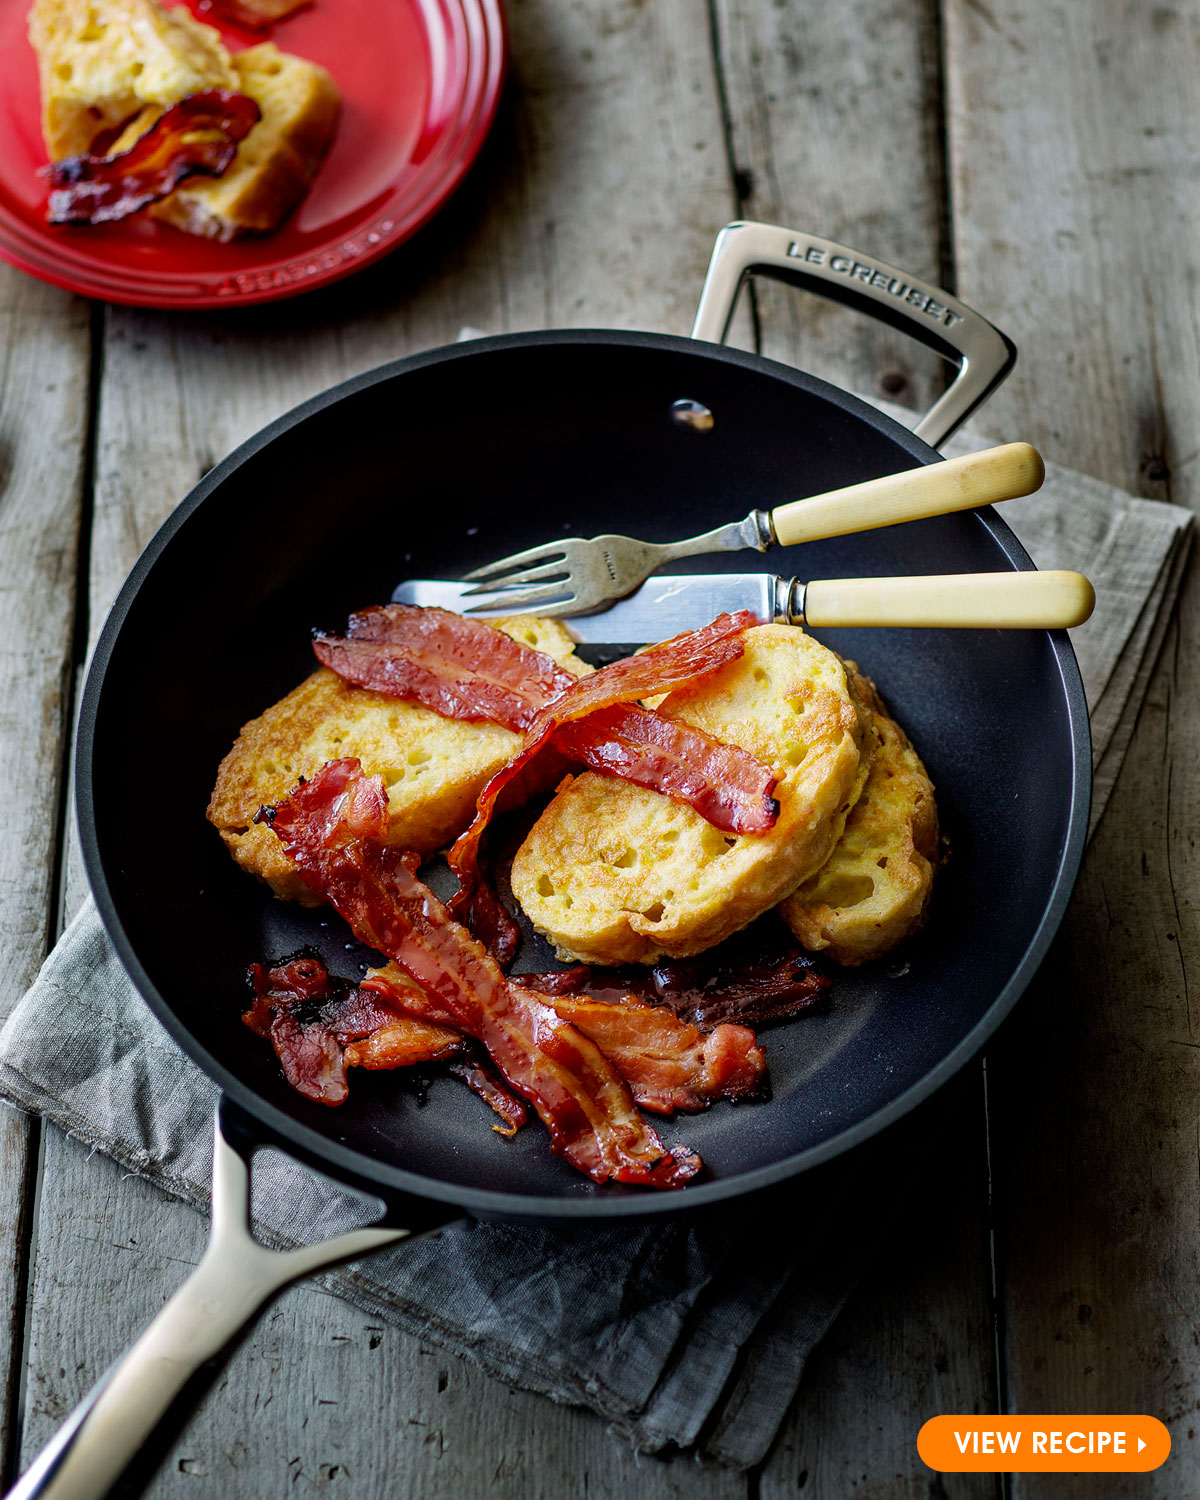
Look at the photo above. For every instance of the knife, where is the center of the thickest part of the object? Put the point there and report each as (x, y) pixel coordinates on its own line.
(669, 603)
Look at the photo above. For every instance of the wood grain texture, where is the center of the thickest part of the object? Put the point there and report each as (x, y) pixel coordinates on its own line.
(1084, 115)
(319, 1399)
(596, 204)
(45, 345)
(833, 117)
(916, 1338)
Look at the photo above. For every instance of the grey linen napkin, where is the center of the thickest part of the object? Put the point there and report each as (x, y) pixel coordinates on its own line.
(1134, 551)
(694, 1331)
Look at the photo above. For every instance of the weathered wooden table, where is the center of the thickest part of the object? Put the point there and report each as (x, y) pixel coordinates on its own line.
(1042, 161)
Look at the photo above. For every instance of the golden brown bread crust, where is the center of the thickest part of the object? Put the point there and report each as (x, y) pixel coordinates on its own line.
(616, 873)
(277, 161)
(108, 65)
(874, 890)
(101, 61)
(434, 767)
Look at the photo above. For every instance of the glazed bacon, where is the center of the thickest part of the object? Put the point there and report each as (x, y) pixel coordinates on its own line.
(460, 668)
(200, 134)
(325, 827)
(725, 784)
(723, 986)
(667, 1062)
(309, 1018)
(466, 670)
(319, 1026)
(677, 663)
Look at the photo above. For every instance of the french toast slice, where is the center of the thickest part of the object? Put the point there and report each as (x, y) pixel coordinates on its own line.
(434, 767)
(102, 61)
(275, 164)
(615, 873)
(874, 889)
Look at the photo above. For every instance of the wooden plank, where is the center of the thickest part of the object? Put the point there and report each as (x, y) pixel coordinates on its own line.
(611, 132)
(1075, 192)
(320, 1398)
(916, 1338)
(832, 115)
(45, 344)
(833, 121)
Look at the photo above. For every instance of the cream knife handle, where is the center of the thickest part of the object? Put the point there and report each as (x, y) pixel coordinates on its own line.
(929, 490)
(998, 601)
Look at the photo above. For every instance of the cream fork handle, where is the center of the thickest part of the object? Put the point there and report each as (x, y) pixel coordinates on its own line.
(1005, 601)
(928, 490)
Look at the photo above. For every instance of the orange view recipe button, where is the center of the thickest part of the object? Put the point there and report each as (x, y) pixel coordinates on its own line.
(1038, 1445)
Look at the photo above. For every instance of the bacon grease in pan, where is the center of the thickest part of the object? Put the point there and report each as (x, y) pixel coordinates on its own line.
(328, 827)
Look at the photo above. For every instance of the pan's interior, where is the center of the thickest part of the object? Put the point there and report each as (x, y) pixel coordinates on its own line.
(431, 471)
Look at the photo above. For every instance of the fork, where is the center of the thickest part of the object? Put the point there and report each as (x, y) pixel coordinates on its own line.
(580, 575)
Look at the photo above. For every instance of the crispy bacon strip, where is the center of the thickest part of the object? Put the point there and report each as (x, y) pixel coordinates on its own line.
(199, 134)
(482, 1079)
(461, 668)
(328, 827)
(725, 784)
(668, 1063)
(405, 1042)
(707, 991)
(309, 1018)
(320, 1026)
(467, 670)
(677, 663)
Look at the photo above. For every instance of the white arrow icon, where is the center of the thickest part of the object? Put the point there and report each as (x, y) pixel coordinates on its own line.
(1141, 1444)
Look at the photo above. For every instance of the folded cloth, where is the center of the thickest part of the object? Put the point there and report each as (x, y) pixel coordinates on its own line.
(1134, 552)
(694, 1331)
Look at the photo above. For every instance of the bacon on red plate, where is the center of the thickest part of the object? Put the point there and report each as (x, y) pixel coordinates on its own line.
(677, 663)
(253, 14)
(578, 1094)
(668, 1063)
(200, 134)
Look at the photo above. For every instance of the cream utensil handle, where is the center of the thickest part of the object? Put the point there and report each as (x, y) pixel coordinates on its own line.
(928, 490)
(999, 601)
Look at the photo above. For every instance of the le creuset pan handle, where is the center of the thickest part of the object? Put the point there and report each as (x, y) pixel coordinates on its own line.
(983, 354)
(235, 1276)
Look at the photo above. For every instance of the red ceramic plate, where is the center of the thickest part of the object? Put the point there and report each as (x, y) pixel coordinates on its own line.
(419, 82)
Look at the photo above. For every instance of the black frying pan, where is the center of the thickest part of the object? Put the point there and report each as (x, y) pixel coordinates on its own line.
(435, 464)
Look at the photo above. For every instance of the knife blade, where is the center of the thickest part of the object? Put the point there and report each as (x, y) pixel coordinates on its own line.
(663, 606)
